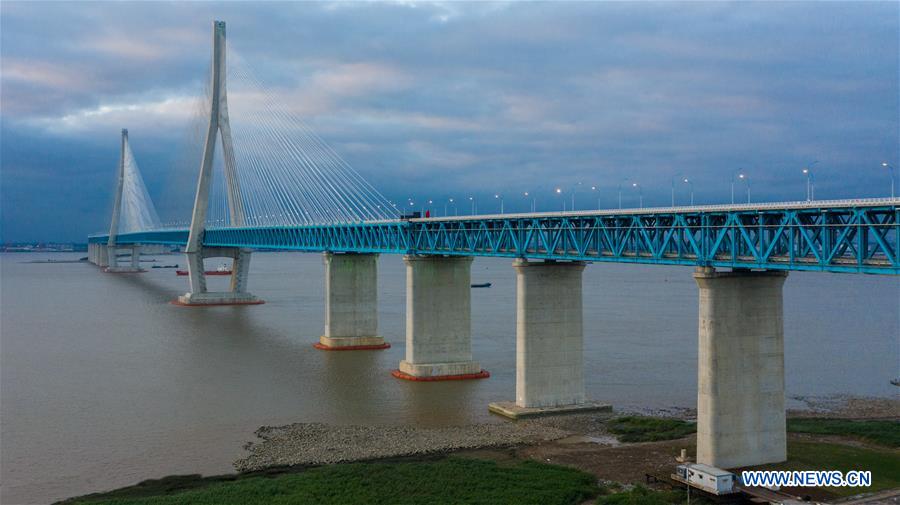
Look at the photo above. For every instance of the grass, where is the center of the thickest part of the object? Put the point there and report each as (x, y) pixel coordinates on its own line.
(649, 429)
(445, 481)
(883, 463)
(886, 433)
(640, 495)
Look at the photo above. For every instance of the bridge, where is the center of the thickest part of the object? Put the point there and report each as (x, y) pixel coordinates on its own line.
(282, 187)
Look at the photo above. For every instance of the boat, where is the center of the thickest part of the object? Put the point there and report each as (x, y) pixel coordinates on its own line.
(208, 272)
(222, 270)
(164, 266)
(482, 285)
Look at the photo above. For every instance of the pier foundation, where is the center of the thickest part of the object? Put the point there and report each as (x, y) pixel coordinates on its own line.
(134, 265)
(102, 256)
(351, 303)
(240, 272)
(438, 320)
(740, 397)
(549, 341)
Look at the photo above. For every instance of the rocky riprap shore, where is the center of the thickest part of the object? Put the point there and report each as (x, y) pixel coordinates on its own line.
(316, 443)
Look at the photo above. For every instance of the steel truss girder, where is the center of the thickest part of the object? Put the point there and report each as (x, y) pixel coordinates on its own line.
(840, 239)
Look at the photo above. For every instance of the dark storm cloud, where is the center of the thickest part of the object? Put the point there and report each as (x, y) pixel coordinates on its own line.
(438, 100)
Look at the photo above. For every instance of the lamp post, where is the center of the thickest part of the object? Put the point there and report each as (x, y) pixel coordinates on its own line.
(640, 193)
(533, 202)
(808, 175)
(499, 197)
(452, 203)
(807, 171)
(594, 188)
(691, 185)
(620, 195)
(891, 169)
(732, 183)
(472, 199)
(746, 179)
(559, 192)
(574, 190)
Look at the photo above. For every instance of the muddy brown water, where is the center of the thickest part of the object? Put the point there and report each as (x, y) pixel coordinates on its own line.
(103, 383)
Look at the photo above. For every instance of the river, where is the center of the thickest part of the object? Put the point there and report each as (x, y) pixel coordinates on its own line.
(103, 383)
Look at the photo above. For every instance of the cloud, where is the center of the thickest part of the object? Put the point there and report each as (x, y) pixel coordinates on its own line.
(455, 98)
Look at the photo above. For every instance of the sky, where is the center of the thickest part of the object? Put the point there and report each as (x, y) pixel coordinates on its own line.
(440, 100)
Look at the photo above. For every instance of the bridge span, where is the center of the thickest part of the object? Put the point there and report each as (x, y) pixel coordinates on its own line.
(857, 236)
(292, 192)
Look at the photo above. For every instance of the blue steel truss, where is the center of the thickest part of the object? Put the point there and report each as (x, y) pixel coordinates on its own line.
(847, 236)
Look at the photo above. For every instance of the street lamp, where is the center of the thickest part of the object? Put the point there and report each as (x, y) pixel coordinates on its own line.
(451, 202)
(891, 168)
(746, 179)
(691, 184)
(808, 175)
(594, 188)
(559, 192)
(498, 197)
(640, 193)
(807, 171)
(533, 202)
(472, 199)
(732, 183)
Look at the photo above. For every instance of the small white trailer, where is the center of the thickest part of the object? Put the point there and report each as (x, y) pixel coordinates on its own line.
(708, 478)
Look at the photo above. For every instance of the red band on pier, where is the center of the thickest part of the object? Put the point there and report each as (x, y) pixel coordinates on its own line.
(484, 374)
(319, 346)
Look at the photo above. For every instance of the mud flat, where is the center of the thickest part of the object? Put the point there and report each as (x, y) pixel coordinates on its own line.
(848, 407)
(316, 443)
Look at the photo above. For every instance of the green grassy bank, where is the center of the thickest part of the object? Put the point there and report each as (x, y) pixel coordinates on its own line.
(446, 481)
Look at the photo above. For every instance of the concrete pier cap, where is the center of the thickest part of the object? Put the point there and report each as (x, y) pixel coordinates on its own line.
(549, 341)
(351, 303)
(740, 384)
(438, 320)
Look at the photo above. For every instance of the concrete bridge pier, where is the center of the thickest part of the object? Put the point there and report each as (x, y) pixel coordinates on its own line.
(351, 303)
(240, 270)
(549, 341)
(134, 265)
(740, 394)
(438, 320)
(102, 256)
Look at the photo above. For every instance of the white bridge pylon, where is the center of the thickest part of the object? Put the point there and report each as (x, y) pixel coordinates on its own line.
(133, 210)
(195, 252)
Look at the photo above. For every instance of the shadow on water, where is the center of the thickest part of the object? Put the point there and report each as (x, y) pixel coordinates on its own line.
(438, 403)
(351, 379)
(142, 282)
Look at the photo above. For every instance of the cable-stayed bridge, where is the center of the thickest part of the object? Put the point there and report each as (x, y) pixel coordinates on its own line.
(269, 182)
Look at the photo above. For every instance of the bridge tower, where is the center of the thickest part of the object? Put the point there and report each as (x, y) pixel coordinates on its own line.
(108, 254)
(195, 250)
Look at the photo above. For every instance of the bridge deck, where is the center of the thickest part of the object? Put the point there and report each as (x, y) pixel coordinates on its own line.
(860, 236)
